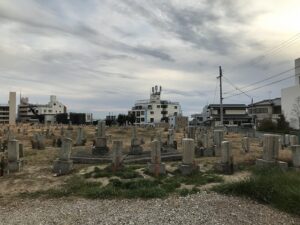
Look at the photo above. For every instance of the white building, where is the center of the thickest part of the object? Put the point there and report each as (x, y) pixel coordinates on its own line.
(290, 99)
(28, 111)
(155, 110)
(8, 111)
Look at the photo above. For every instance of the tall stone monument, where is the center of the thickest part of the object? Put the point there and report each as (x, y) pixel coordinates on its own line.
(63, 165)
(188, 164)
(100, 146)
(156, 167)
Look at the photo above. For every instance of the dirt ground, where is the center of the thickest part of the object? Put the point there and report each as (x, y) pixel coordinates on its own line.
(37, 172)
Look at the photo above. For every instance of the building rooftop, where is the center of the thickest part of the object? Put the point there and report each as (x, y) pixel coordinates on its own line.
(227, 105)
(274, 101)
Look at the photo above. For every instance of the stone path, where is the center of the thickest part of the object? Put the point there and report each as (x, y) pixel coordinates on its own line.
(201, 208)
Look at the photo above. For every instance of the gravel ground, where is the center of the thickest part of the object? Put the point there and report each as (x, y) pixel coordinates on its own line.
(200, 208)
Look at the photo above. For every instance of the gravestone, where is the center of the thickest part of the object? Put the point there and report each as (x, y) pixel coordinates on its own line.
(218, 138)
(63, 165)
(135, 148)
(245, 144)
(100, 144)
(296, 155)
(117, 157)
(270, 152)
(14, 162)
(80, 140)
(188, 164)
(293, 140)
(226, 164)
(156, 167)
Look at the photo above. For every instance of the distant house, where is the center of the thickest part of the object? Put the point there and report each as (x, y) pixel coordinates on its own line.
(265, 109)
(233, 114)
(154, 110)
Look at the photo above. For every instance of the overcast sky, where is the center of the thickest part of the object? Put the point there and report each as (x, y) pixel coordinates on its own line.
(100, 56)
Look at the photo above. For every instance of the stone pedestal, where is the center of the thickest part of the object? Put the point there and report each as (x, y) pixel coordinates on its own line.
(62, 167)
(136, 148)
(100, 147)
(188, 164)
(156, 168)
(296, 155)
(187, 169)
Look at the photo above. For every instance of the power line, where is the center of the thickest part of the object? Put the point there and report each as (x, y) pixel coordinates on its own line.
(263, 80)
(274, 82)
(228, 81)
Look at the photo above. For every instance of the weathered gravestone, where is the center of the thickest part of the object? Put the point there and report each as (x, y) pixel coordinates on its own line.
(296, 155)
(226, 164)
(218, 138)
(135, 148)
(63, 164)
(188, 164)
(14, 162)
(100, 144)
(270, 152)
(117, 156)
(156, 167)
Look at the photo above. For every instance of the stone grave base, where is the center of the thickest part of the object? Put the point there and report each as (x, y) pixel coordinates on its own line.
(261, 163)
(144, 157)
(160, 168)
(62, 166)
(100, 150)
(204, 152)
(225, 168)
(136, 150)
(15, 166)
(187, 169)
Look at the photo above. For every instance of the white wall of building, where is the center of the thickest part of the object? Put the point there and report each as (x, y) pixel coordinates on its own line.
(12, 108)
(289, 96)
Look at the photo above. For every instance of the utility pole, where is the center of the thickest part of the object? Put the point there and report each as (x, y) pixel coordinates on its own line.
(221, 97)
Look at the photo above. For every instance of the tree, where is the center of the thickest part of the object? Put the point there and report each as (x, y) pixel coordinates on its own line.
(131, 118)
(121, 119)
(282, 124)
(267, 125)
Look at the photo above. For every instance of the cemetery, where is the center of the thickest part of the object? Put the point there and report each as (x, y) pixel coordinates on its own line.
(125, 162)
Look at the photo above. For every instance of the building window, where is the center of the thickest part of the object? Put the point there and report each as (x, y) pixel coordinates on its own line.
(142, 119)
(151, 120)
(175, 107)
(142, 113)
(151, 112)
(50, 111)
(138, 113)
(158, 106)
(149, 106)
(175, 113)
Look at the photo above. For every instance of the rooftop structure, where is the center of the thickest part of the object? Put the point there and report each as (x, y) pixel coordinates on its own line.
(154, 110)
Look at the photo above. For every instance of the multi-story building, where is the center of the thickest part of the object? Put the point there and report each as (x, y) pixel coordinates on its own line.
(8, 111)
(46, 112)
(233, 114)
(290, 100)
(265, 109)
(154, 110)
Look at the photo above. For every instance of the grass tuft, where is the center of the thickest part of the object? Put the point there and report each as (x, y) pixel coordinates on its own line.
(273, 186)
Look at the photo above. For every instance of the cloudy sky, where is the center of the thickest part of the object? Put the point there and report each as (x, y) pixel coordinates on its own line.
(101, 55)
